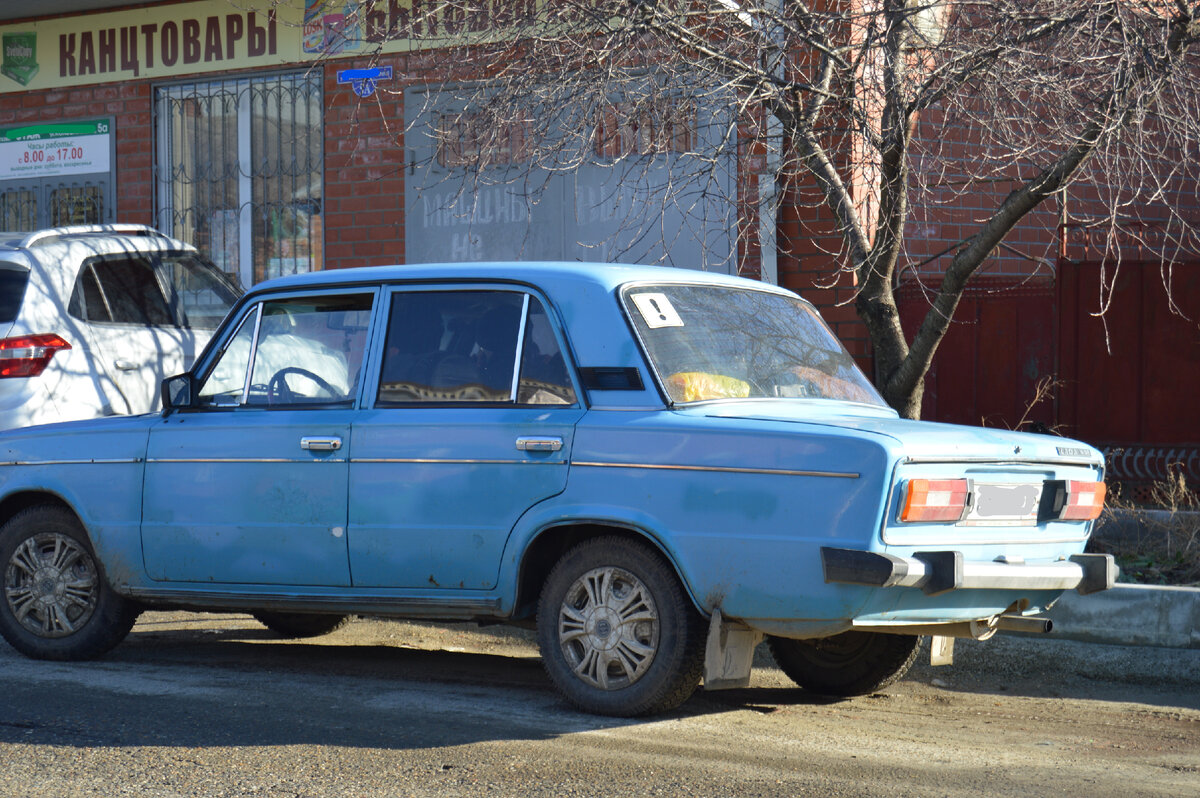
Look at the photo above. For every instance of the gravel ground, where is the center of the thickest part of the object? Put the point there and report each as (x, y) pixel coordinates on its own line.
(206, 705)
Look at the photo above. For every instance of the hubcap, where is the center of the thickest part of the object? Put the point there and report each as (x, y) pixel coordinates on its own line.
(50, 585)
(608, 628)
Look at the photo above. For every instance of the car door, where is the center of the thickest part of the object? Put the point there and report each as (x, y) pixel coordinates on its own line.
(249, 486)
(470, 424)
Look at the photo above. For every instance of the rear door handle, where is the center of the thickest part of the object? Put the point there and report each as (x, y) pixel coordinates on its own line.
(314, 444)
(539, 444)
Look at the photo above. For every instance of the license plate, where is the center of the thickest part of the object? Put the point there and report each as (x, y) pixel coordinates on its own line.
(1005, 504)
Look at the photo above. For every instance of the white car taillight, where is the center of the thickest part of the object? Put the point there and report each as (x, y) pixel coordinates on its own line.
(1084, 501)
(935, 500)
(28, 355)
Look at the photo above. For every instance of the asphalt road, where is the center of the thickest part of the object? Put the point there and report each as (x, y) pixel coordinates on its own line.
(206, 705)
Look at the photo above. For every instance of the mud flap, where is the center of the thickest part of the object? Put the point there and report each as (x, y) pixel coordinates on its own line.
(729, 653)
(941, 650)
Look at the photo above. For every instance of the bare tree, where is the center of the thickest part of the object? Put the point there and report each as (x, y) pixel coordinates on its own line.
(876, 113)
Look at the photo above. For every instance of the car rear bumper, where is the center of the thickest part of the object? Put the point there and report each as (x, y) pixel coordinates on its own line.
(936, 572)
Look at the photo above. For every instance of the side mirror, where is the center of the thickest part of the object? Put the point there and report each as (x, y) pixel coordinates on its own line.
(177, 392)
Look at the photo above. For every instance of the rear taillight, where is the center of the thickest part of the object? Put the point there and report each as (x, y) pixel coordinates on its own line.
(1084, 501)
(935, 500)
(28, 355)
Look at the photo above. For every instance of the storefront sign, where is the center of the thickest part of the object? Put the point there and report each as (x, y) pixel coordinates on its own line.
(65, 148)
(178, 39)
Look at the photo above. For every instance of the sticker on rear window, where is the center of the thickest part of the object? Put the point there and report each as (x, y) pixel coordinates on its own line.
(657, 310)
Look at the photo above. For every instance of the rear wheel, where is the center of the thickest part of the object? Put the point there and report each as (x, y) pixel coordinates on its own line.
(57, 604)
(852, 663)
(301, 624)
(618, 634)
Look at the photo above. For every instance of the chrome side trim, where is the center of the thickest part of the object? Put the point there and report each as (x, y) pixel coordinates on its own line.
(722, 469)
(176, 460)
(92, 461)
(440, 461)
(1006, 461)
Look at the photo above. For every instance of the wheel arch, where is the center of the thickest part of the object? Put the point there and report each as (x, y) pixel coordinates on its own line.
(14, 503)
(551, 542)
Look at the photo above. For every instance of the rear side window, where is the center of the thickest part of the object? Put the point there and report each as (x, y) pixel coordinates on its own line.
(12, 291)
(122, 290)
(450, 347)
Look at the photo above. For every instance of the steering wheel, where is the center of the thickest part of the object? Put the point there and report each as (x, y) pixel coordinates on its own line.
(278, 390)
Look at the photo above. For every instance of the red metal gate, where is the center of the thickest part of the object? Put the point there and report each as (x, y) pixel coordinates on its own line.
(1131, 376)
(1127, 381)
(999, 345)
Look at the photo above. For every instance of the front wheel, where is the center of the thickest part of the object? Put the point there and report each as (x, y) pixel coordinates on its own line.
(57, 604)
(618, 635)
(849, 664)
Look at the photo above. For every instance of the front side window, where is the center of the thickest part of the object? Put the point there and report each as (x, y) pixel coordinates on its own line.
(715, 342)
(471, 346)
(295, 352)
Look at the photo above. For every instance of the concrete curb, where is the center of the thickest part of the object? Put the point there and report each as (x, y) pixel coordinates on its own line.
(1130, 615)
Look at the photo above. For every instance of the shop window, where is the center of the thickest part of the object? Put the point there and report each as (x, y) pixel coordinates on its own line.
(239, 171)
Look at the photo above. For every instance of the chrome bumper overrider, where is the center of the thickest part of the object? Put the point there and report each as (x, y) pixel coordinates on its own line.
(942, 571)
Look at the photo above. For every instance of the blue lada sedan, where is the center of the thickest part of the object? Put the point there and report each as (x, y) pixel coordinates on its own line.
(656, 467)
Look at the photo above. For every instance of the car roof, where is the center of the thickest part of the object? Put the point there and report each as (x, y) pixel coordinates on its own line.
(608, 276)
(103, 237)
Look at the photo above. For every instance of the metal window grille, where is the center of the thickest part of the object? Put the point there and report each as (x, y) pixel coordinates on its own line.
(18, 210)
(239, 171)
(76, 205)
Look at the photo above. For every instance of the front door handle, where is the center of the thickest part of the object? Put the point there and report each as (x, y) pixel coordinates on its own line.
(125, 365)
(539, 444)
(321, 444)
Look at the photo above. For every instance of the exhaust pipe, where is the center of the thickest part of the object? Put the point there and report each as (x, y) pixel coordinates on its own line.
(975, 630)
(1020, 623)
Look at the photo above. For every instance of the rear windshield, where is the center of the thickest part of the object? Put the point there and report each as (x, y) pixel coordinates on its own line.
(717, 342)
(13, 280)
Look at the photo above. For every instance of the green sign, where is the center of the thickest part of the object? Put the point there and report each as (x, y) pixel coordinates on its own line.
(20, 57)
(55, 130)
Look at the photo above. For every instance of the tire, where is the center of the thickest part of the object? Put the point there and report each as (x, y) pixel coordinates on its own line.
(618, 634)
(57, 604)
(849, 664)
(301, 624)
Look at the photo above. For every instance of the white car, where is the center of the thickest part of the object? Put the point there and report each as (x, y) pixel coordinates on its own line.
(93, 318)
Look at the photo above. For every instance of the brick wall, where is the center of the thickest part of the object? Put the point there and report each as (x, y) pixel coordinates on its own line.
(364, 170)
